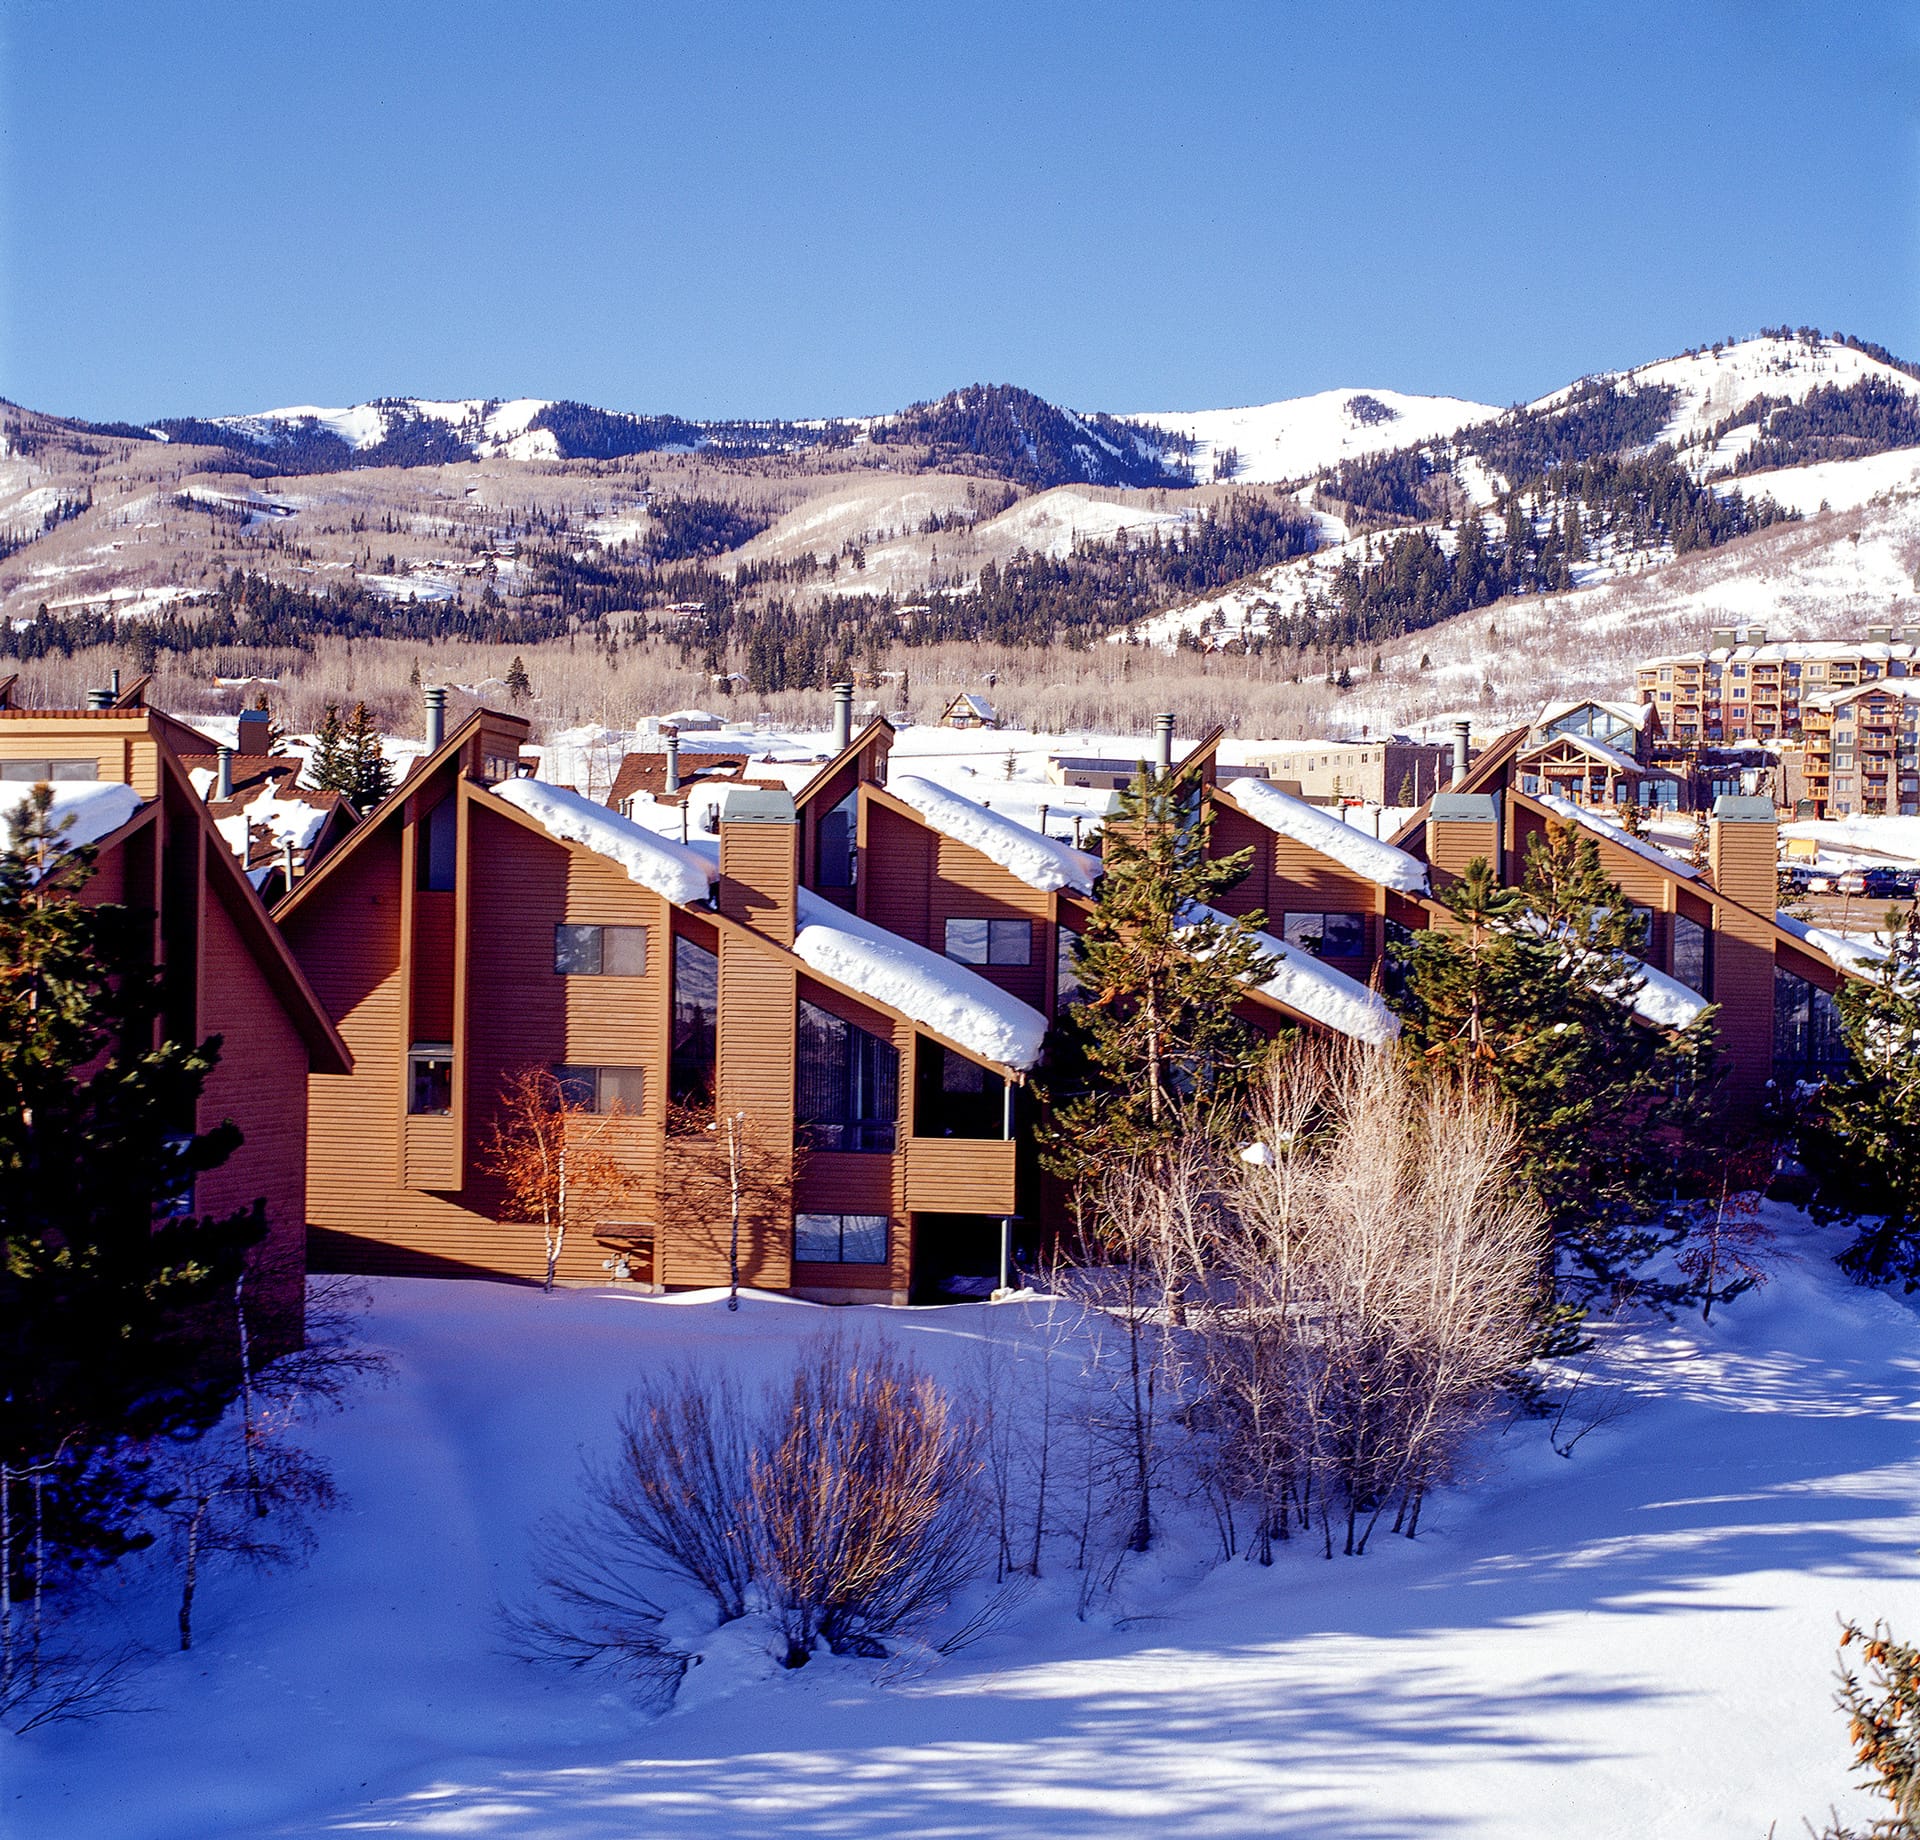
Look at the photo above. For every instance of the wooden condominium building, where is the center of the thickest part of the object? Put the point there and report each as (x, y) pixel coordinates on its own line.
(118, 772)
(860, 972)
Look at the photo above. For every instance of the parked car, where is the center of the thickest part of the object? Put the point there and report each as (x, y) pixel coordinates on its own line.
(1885, 884)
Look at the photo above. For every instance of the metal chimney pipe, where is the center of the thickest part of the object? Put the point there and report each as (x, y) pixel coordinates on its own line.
(286, 860)
(1462, 748)
(672, 735)
(99, 699)
(223, 783)
(436, 716)
(1163, 742)
(842, 717)
(115, 680)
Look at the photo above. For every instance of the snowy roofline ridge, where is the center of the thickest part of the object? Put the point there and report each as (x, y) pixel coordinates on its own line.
(1041, 862)
(670, 869)
(1604, 827)
(1312, 988)
(1663, 999)
(98, 808)
(1848, 953)
(1280, 811)
(1634, 713)
(919, 983)
(1907, 687)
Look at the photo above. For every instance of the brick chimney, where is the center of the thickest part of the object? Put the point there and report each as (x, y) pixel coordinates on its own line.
(254, 732)
(1461, 826)
(1743, 847)
(760, 860)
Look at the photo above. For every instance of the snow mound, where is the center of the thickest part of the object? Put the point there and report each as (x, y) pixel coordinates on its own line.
(947, 997)
(1041, 862)
(93, 809)
(1605, 827)
(1662, 999)
(679, 874)
(1353, 849)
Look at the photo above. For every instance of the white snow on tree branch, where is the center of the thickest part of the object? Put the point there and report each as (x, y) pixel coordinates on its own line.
(1312, 988)
(97, 808)
(1041, 862)
(1604, 827)
(945, 996)
(669, 869)
(1353, 849)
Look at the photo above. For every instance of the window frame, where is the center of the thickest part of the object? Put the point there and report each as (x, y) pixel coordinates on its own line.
(422, 1054)
(571, 1076)
(870, 1223)
(599, 943)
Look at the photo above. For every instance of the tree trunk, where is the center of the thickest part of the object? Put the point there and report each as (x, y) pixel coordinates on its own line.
(191, 1576)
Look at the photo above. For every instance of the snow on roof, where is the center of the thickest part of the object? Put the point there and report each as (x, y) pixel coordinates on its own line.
(669, 869)
(1848, 953)
(1633, 714)
(1663, 999)
(945, 996)
(96, 809)
(1604, 827)
(1318, 830)
(1041, 862)
(1315, 989)
(1599, 749)
(978, 705)
(1907, 687)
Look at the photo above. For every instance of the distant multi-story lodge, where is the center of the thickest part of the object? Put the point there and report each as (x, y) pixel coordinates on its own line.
(1745, 687)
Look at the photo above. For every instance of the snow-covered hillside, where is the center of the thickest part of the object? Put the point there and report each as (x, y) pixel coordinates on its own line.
(485, 426)
(1634, 1641)
(1304, 435)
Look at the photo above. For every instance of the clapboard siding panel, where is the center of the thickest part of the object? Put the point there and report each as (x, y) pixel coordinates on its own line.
(969, 886)
(759, 873)
(433, 948)
(956, 1175)
(896, 867)
(1231, 833)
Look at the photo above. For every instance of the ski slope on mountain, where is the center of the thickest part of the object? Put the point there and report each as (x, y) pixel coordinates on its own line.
(1304, 435)
(1634, 1641)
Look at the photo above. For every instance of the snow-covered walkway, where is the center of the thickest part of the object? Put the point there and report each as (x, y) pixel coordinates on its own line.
(1633, 1641)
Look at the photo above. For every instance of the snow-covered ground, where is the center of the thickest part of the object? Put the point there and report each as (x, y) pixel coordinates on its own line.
(1631, 1642)
(1309, 434)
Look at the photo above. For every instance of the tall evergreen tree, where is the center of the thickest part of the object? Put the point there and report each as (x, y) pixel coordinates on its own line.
(109, 1273)
(1861, 1141)
(369, 778)
(1534, 991)
(1160, 970)
(330, 765)
(519, 684)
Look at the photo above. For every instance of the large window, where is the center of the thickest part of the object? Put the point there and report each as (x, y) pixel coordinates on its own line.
(1690, 953)
(600, 951)
(836, 856)
(1066, 978)
(430, 1078)
(840, 1239)
(848, 1088)
(603, 1089)
(1328, 935)
(436, 845)
(1806, 1027)
(46, 772)
(990, 942)
(696, 1018)
(955, 1097)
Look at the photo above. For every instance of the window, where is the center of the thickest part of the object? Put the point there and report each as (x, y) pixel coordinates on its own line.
(600, 951)
(435, 847)
(836, 853)
(696, 1017)
(847, 1093)
(173, 1193)
(48, 772)
(430, 1078)
(990, 942)
(603, 1089)
(840, 1239)
(956, 1097)
(1327, 935)
(1066, 980)
(1806, 1026)
(1690, 953)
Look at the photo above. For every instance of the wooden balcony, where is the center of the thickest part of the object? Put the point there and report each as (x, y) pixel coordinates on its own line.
(960, 1175)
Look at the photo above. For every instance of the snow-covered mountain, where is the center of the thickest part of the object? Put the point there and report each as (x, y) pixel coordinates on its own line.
(1303, 435)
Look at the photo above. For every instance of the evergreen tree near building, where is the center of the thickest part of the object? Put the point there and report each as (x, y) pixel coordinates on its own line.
(1861, 1141)
(519, 684)
(110, 1277)
(1154, 1038)
(1533, 992)
(369, 778)
(330, 764)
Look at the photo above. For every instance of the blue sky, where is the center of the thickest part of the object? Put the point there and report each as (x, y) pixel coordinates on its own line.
(805, 209)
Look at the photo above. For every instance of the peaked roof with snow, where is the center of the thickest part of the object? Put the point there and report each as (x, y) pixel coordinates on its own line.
(1602, 827)
(1279, 811)
(921, 984)
(670, 869)
(1041, 862)
(90, 809)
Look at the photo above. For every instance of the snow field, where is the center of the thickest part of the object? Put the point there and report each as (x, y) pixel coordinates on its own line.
(1631, 1642)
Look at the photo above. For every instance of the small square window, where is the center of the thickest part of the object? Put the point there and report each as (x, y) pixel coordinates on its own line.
(576, 951)
(430, 1080)
(623, 951)
(600, 951)
(967, 941)
(622, 1089)
(1009, 942)
(579, 1086)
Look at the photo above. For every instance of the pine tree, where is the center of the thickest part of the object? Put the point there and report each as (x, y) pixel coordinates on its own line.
(330, 765)
(519, 684)
(1861, 1142)
(110, 1280)
(1161, 970)
(369, 778)
(1533, 991)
